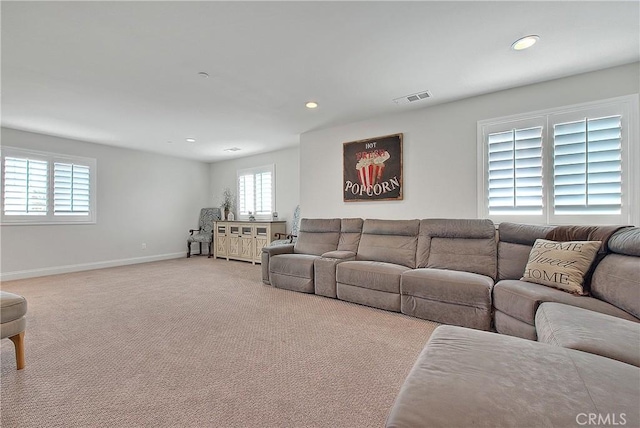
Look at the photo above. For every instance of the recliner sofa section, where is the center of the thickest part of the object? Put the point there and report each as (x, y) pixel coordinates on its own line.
(292, 266)
(615, 283)
(456, 269)
(386, 250)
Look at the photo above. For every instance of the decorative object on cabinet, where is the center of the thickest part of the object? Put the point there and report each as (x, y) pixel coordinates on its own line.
(243, 240)
(372, 169)
(204, 232)
(228, 200)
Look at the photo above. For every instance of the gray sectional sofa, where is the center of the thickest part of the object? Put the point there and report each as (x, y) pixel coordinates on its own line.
(579, 356)
(462, 272)
(436, 269)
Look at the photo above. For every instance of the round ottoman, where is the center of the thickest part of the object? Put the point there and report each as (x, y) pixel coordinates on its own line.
(13, 322)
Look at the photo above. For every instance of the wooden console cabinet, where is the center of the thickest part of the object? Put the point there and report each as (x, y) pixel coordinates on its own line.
(243, 240)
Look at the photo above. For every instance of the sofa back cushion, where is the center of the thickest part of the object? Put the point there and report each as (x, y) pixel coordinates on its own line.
(515, 241)
(616, 279)
(350, 232)
(317, 236)
(458, 244)
(390, 241)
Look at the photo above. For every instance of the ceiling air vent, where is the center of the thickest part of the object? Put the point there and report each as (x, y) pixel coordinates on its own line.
(423, 95)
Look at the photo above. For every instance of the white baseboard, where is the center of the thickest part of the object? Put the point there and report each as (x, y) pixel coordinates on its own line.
(32, 273)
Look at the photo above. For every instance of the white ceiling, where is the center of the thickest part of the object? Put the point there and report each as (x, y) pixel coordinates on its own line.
(125, 73)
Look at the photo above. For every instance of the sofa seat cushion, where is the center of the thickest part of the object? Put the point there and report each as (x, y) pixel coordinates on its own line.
(447, 296)
(460, 288)
(378, 276)
(589, 331)
(465, 378)
(293, 272)
(299, 265)
(520, 300)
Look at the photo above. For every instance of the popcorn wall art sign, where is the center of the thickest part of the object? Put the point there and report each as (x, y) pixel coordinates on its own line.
(373, 169)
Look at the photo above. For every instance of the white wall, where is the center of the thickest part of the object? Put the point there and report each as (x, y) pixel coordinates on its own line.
(287, 172)
(439, 147)
(142, 198)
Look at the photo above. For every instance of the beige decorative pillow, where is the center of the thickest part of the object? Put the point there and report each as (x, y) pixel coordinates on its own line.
(561, 265)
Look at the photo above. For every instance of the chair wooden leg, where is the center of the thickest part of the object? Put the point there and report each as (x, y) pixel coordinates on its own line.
(200, 245)
(18, 342)
(188, 249)
(210, 249)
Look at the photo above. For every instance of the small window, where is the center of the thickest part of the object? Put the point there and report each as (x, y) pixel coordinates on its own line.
(572, 165)
(256, 192)
(47, 188)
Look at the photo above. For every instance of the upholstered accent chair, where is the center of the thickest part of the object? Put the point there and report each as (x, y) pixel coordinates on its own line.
(13, 309)
(204, 232)
(289, 238)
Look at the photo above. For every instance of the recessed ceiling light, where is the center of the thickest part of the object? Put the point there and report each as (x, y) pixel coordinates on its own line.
(191, 140)
(233, 149)
(311, 104)
(203, 74)
(525, 42)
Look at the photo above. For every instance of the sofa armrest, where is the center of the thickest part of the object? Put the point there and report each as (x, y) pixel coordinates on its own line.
(278, 249)
(324, 271)
(339, 255)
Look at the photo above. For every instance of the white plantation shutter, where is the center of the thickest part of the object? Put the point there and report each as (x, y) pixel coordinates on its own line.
(45, 188)
(71, 194)
(25, 186)
(515, 171)
(245, 194)
(263, 193)
(587, 164)
(256, 192)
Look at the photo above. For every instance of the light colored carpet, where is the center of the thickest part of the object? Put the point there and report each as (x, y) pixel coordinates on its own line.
(201, 343)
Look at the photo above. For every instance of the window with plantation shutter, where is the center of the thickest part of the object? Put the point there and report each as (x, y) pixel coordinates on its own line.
(71, 192)
(587, 166)
(47, 188)
(256, 192)
(515, 171)
(25, 186)
(572, 165)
